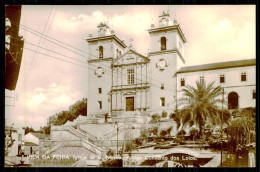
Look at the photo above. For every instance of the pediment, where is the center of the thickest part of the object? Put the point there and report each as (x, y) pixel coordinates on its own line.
(131, 57)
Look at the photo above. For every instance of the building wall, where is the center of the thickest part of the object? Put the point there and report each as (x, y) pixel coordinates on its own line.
(31, 138)
(63, 135)
(15, 135)
(172, 56)
(233, 82)
(107, 49)
(158, 77)
(35, 149)
(95, 82)
(121, 89)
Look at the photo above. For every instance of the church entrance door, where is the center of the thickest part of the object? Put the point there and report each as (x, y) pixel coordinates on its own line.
(129, 104)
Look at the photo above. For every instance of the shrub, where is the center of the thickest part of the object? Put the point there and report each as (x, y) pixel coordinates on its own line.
(138, 141)
(144, 133)
(110, 152)
(172, 116)
(164, 114)
(169, 131)
(163, 133)
(155, 118)
(178, 140)
(181, 133)
(194, 133)
(154, 131)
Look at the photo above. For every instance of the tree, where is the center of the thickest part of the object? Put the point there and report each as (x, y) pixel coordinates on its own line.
(242, 130)
(28, 130)
(200, 105)
(79, 108)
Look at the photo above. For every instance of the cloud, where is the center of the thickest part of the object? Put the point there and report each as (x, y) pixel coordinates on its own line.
(34, 107)
(226, 38)
(54, 97)
(139, 22)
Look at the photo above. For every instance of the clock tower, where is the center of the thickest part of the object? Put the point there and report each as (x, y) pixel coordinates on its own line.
(166, 56)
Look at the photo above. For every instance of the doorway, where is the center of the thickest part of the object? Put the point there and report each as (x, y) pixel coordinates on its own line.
(129, 104)
(232, 100)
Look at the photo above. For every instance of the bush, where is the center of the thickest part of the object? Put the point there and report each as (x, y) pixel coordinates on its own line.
(154, 131)
(164, 114)
(138, 141)
(163, 133)
(181, 133)
(194, 133)
(172, 116)
(155, 118)
(144, 133)
(110, 152)
(169, 131)
(178, 140)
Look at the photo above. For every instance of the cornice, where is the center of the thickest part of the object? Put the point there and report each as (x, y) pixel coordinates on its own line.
(154, 53)
(100, 60)
(91, 40)
(174, 27)
(130, 64)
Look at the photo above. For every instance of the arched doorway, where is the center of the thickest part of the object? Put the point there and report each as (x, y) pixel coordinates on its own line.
(232, 100)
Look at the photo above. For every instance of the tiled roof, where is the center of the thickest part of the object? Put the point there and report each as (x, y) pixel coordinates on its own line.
(221, 65)
(40, 135)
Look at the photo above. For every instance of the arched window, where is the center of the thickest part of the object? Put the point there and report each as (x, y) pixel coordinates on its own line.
(100, 49)
(163, 43)
(232, 100)
(120, 53)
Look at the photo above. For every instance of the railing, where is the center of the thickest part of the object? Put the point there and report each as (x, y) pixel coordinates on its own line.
(122, 128)
(53, 148)
(75, 143)
(78, 132)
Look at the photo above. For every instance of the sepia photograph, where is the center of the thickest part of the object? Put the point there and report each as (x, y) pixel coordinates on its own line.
(130, 86)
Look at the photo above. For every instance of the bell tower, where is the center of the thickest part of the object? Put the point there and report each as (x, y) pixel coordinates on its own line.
(104, 46)
(166, 56)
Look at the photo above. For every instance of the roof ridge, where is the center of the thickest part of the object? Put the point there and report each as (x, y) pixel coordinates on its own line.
(218, 65)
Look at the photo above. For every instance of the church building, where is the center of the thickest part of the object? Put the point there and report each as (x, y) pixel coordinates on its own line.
(122, 81)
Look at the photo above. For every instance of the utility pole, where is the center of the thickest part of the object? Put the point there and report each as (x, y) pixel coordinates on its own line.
(222, 125)
(117, 129)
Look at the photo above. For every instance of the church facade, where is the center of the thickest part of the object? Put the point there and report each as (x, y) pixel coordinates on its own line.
(121, 80)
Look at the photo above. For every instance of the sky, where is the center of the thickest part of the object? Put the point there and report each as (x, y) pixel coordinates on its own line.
(47, 86)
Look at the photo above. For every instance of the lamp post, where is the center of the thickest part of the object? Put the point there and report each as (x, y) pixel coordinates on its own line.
(222, 125)
(117, 129)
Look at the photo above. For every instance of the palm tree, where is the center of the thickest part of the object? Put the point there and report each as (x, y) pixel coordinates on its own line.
(200, 105)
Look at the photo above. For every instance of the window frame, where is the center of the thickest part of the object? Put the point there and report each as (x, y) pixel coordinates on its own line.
(202, 79)
(162, 86)
(222, 76)
(100, 90)
(163, 41)
(254, 94)
(101, 52)
(241, 76)
(100, 104)
(130, 76)
(182, 83)
(162, 101)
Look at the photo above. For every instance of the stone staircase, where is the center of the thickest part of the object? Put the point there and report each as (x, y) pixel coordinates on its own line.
(122, 128)
(85, 140)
